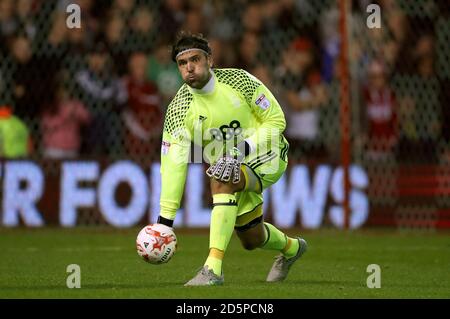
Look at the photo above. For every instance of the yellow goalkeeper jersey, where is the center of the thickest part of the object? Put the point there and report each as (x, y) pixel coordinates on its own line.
(233, 106)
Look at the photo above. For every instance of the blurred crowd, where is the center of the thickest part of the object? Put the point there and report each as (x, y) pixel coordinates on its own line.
(102, 89)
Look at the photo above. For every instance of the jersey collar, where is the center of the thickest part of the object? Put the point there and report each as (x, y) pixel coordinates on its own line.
(209, 86)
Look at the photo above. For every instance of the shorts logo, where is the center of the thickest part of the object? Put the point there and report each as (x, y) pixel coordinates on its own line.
(165, 146)
(262, 102)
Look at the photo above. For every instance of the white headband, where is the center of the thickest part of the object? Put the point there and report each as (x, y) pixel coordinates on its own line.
(189, 50)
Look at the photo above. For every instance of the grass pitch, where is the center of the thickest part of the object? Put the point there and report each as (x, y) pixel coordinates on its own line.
(33, 264)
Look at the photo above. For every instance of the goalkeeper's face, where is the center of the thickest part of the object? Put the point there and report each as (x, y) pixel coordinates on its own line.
(194, 68)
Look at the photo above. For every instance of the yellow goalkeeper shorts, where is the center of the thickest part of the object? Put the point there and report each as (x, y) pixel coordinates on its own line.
(260, 173)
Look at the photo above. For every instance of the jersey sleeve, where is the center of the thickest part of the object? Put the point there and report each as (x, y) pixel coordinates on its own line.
(175, 149)
(271, 116)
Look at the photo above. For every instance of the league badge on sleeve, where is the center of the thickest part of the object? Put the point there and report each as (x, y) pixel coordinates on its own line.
(263, 102)
(165, 146)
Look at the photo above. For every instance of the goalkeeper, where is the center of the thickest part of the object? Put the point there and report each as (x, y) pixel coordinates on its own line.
(239, 124)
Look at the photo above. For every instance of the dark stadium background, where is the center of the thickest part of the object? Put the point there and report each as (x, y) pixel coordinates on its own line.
(398, 87)
(95, 96)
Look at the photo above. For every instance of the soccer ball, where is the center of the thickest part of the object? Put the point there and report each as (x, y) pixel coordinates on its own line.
(156, 243)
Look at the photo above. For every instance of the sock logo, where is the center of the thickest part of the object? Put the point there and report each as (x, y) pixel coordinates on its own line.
(231, 202)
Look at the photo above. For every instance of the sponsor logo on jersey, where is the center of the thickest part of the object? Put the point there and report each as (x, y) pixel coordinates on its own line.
(262, 102)
(226, 132)
(165, 146)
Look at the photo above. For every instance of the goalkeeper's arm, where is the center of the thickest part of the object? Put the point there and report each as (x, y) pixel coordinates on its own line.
(272, 119)
(174, 161)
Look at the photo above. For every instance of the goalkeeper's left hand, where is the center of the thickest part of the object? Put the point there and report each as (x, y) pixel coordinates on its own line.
(228, 167)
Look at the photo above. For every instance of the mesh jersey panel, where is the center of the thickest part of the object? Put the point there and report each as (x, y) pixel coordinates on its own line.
(177, 109)
(239, 80)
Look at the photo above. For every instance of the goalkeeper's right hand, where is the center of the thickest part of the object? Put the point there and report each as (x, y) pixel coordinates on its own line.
(224, 168)
(227, 167)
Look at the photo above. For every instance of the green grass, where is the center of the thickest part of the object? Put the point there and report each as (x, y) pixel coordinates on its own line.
(33, 265)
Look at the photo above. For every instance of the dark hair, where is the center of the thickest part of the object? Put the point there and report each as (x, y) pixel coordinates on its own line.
(189, 41)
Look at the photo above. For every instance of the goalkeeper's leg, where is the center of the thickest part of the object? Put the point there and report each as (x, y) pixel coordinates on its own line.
(223, 218)
(252, 231)
(250, 227)
(259, 234)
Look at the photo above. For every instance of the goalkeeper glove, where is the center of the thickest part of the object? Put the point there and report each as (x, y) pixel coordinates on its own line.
(229, 166)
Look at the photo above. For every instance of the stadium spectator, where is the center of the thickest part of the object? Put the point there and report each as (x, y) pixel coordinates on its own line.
(252, 19)
(290, 16)
(330, 38)
(8, 22)
(74, 58)
(271, 11)
(274, 37)
(171, 16)
(304, 95)
(115, 36)
(248, 50)
(330, 41)
(194, 21)
(5, 80)
(224, 55)
(142, 116)
(399, 30)
(104, 95)
(123, 8)
(80, 39)
(221, 22)
(25, 19)
(142, 30)
(15, 139)
(55, 45)
(61, 124)
(29, 84)
(380, 112)
(419, 104)
(162, 71)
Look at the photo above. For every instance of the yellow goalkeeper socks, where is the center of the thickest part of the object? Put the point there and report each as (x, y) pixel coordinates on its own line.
(277, 240)
(214, 260)
(223, 218)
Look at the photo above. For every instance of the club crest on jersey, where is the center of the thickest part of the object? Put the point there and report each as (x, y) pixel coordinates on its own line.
(262, 102)
(235, 100)
(165, 146)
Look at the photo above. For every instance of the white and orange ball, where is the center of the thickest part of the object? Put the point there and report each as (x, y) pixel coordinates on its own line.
(156, 243)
